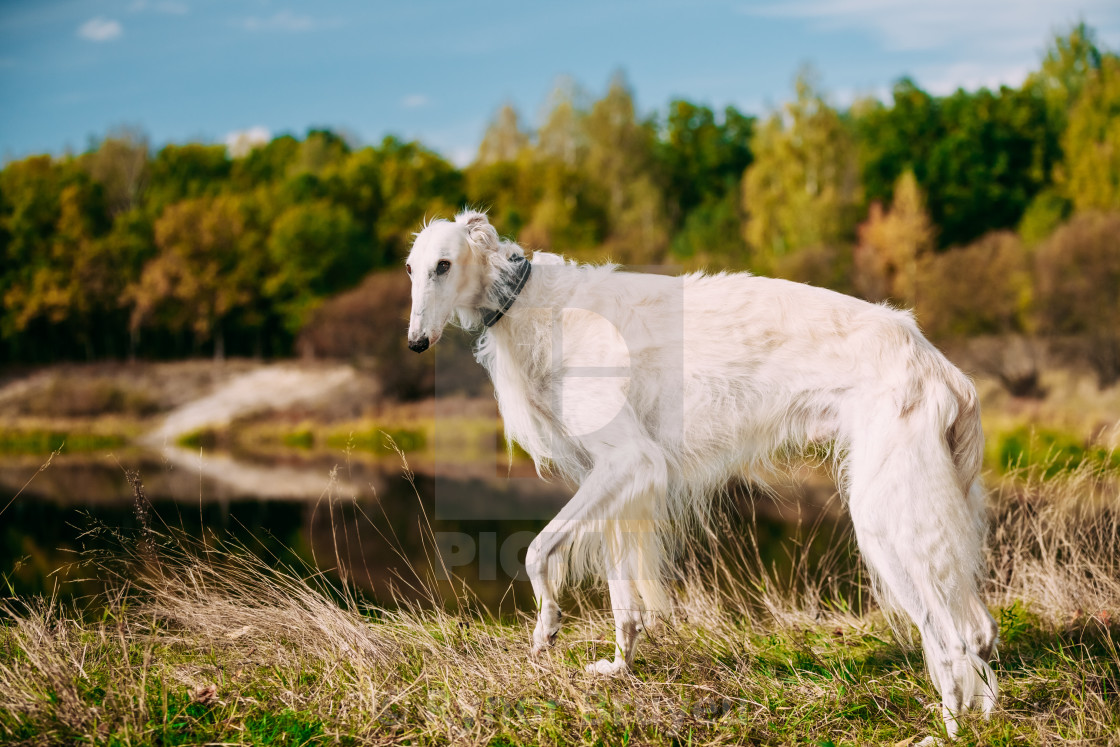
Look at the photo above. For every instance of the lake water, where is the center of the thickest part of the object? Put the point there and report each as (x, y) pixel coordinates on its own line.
(329, 512)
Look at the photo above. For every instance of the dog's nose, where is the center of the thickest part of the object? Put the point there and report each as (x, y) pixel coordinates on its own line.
(419, 346)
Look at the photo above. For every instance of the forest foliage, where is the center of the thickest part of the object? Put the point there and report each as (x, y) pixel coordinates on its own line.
(988, 211)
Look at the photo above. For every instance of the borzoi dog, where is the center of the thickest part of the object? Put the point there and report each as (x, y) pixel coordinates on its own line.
(651, 392)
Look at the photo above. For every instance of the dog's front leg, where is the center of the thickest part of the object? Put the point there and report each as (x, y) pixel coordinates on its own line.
(628, 468)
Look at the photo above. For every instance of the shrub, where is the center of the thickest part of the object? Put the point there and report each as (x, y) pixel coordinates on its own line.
(370, 324)
(822, 266)
(891, 243)
(983, 288)
(1078, 282)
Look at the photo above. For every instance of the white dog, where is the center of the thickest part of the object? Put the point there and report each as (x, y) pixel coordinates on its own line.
(651, 392)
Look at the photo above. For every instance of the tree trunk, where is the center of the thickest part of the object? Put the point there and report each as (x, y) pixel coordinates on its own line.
(219, 344)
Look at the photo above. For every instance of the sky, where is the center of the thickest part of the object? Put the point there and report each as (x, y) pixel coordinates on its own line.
(437, 71)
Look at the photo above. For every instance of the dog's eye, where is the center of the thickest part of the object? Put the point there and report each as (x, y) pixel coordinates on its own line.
(408, 269)
(442, 267)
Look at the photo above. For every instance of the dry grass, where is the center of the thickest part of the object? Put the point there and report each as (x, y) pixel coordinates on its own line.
(202, 642)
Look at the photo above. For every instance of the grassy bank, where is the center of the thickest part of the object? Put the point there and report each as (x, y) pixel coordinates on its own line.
(32, 440)
(211, 644)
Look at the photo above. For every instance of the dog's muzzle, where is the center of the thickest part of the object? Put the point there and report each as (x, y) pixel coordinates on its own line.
(419, 346)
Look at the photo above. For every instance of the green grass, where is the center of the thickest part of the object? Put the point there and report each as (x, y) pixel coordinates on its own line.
(45, 441)
(1054, 451)
(379, 440)
(833, 684)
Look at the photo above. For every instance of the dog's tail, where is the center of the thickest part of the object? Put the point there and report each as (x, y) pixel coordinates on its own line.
(964, 436)
(917, 506)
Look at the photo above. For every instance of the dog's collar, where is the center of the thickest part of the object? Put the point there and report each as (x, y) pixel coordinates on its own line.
(490, 318)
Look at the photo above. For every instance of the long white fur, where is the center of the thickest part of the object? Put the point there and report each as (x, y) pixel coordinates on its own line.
(713, 375)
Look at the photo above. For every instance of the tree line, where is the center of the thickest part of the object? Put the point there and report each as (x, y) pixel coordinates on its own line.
(987, 211)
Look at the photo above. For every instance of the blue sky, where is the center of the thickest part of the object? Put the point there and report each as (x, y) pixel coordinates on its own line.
(437, 71)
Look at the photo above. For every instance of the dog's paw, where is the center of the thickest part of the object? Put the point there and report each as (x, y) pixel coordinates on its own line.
(544, 634)
(607, 667)
(542, 641)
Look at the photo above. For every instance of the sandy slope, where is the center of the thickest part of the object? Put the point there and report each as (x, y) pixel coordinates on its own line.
(273, 387)
(270, 388)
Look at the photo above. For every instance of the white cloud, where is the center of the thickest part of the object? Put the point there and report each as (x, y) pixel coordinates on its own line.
(240, 142)
(100, 29)
(970, 76)
(953, 44)
(462, 155)
(997, 26)
(285, 20)
(415, 101)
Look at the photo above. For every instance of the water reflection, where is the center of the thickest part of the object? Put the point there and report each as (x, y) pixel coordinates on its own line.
(363, 519)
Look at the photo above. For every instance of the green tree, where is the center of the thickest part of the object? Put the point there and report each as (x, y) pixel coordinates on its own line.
(571, 212)
(1048, 210)
(72, 281)
(713, 233)
(414, 183)
(996, 155)
(802, 190)
(504, 140)
(1090, 174)
(208, 267)
(319, 151)
(502, 178)
(29, 211)
(892, 243)
(314, 250)
(180, 172)
(1070, 61)
(358, 189)
(620, 156)
(56, 280)
(313, 172)
(508, 190)
(268, 164)
(120, 166)
(703, 161)
(896, 138)
(980, 157)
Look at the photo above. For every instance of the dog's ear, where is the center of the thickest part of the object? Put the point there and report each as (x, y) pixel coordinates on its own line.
(481, 235)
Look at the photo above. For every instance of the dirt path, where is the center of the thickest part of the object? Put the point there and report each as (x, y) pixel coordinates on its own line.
(273, 387)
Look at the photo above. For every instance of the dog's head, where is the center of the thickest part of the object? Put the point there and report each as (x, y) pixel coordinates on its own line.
(452, 265)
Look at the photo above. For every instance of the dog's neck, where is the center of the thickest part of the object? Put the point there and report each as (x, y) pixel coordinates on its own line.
(509, 285)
